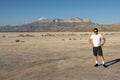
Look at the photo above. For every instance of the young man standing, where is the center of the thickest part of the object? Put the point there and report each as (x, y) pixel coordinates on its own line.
(97, 41)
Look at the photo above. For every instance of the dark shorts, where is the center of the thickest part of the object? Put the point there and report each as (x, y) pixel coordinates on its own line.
(97, 51)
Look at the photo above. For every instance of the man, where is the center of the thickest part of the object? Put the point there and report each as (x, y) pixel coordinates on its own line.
(97, 41)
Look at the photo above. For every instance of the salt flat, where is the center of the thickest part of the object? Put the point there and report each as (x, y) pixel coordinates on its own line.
(56, 56)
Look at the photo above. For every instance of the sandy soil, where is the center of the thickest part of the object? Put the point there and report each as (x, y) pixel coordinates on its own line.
(56, 56)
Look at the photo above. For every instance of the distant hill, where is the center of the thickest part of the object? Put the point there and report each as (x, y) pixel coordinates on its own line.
(59, 25)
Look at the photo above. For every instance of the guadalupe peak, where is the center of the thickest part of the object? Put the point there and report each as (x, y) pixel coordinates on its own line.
(72, 20)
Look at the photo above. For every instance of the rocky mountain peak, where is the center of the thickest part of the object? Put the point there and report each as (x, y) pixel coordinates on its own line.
(72, 20)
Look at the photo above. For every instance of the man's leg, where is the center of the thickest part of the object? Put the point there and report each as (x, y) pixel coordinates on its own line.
(102, 59)
(103, 62)
(100, 53)
(96, 61)
(95, 56)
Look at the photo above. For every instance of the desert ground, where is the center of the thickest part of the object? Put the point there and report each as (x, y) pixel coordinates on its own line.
(56, 56)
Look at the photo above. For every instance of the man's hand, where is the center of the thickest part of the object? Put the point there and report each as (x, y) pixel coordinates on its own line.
(101, 44)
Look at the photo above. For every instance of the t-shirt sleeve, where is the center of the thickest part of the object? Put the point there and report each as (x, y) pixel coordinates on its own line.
(101, 35)
(91, 36)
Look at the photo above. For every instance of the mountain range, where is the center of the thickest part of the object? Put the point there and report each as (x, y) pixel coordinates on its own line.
(60, 25)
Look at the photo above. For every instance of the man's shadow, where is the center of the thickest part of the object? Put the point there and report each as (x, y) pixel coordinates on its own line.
(109, 63)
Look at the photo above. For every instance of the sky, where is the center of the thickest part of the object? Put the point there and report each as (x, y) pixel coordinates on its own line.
(16, 12)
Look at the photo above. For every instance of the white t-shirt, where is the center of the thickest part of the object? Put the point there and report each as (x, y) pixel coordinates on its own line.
(96, 39)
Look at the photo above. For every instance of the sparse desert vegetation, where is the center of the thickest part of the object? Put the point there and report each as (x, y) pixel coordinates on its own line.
(56, 56)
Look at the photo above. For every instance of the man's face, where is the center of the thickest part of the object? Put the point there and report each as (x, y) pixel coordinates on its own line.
(95, 31)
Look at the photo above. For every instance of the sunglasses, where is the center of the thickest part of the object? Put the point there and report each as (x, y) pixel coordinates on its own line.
(95, 30)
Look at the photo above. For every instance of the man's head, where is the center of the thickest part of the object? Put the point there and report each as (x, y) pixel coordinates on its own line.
(95, 30)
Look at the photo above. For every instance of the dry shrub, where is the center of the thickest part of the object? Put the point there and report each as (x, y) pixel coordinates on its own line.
(27, 35)
(71, 34)
(48, 34)
(62, 39)
(74, 39)
(17, 40)
(21, 35)
(70, 39)
(4, 36)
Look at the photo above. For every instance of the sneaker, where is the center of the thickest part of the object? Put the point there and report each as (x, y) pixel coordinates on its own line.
(105, 65)
(96, 65)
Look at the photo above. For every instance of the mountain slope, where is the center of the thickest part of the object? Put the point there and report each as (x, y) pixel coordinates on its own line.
(59, 25)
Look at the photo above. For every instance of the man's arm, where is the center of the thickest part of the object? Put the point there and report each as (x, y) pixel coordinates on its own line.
(90, 41)
(103, 41)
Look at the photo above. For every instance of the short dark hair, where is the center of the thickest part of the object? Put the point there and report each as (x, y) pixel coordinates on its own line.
(95, 29)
